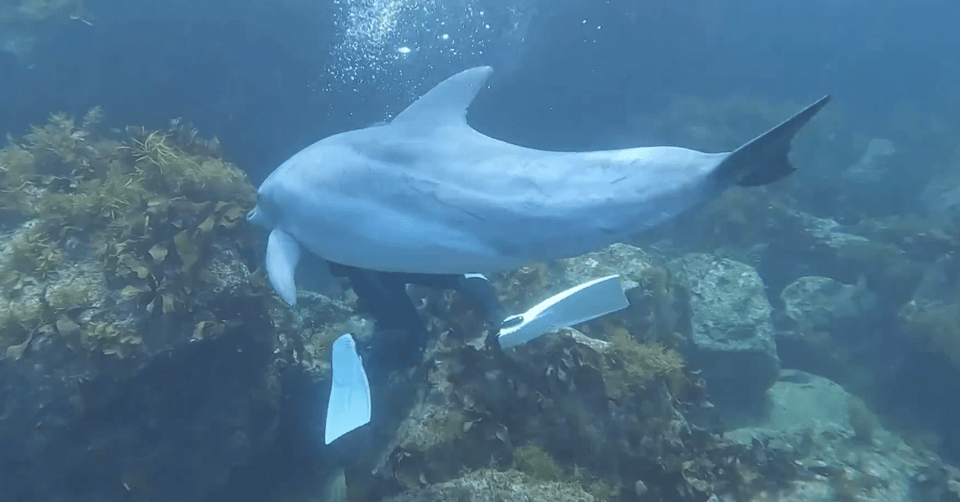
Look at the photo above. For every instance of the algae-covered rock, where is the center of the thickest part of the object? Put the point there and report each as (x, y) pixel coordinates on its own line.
(732, 336)
(137, 334)
(839, 443)
(567, 409)
(811, 246)
(321, 320)
(823, 303)
(494, 486)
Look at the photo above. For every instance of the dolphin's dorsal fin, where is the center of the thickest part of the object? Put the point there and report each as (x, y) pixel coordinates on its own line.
(446, 104)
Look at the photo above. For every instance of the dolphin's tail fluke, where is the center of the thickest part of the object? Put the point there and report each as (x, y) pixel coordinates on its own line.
(763, 159)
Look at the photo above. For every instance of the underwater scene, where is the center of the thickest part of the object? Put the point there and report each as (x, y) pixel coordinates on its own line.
(479, 251)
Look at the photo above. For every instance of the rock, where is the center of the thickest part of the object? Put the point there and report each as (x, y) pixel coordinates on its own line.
(732, 334)
(640, 488)
(822, 425)
(821, 319)
(494, 486)
(137, 339)
(873, 165)
(321, 321)
(522, 289)
(631, 263)
(821, 303)
(811, 246)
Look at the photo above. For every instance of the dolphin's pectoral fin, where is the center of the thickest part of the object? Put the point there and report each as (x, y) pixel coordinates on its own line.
(764, 159)
(349, 404)
(283, 254)
(446, 104)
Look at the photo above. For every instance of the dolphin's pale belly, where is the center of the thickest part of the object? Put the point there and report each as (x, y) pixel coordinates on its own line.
(380, 238)
(437, 249)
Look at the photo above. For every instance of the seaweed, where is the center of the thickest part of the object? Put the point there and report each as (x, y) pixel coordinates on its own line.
(935, 326)
(633, 365)
(537, 463)
(135, 221)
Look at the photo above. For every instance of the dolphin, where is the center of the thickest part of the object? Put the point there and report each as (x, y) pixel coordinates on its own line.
(426, 193)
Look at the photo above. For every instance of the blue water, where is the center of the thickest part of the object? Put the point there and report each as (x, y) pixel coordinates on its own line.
(255, 76)
(268, 78)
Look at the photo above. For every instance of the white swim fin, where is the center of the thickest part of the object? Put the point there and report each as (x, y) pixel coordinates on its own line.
(573, 306)
(349, 405)
(283, 254)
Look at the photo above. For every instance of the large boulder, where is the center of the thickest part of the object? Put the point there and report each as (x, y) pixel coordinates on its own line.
(822, 303)
(732, 336)
(839, 442)
(821, 317)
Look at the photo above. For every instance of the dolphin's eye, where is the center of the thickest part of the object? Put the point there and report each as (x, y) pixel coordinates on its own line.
(514, 320)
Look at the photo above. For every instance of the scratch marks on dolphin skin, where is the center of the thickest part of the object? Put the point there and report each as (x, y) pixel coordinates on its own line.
(435, 196)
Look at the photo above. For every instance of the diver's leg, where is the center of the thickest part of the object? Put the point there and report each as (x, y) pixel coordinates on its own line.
(476, 287)
(383, 295)
(483, 293)
(401, 336)
(478, 290)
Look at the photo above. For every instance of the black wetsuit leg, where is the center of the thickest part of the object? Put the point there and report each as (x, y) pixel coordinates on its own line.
(477, 288)
(401, 336)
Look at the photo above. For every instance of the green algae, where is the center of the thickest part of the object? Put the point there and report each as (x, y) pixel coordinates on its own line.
(537, 463)
(632, 365)
(935, 326)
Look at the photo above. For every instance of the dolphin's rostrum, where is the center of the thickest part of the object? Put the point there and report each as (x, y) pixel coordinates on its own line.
(426, 193)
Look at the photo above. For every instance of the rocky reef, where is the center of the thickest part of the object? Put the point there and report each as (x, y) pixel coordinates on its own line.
(766, 354)
(136, 331)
